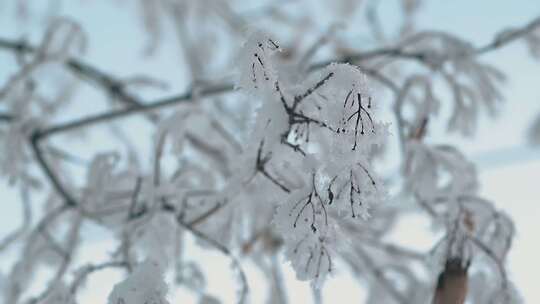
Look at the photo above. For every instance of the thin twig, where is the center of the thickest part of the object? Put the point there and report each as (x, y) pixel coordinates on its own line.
(34, 141)
(115, 114)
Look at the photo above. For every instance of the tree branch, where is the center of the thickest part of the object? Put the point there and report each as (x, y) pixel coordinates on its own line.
(115, 114)
(107, 82)
(497, 42)
(34, 142)
(138, 107)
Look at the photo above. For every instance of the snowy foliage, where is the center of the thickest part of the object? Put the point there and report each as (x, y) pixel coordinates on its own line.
(144, 286)
(328, 120)
(276, 153)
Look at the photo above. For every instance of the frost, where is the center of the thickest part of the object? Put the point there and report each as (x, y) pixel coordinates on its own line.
(439, 172)
(304, 212)
(144, 286)
(100, 175)
(155, 238)
(270, 123)
(310, 256)
(331, 116)
(292, 164)
(256, 66)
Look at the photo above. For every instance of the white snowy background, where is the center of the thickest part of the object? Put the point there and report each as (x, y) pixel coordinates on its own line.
(509, 169)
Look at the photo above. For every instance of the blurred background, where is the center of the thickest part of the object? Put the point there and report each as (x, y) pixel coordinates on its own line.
(509, 167)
